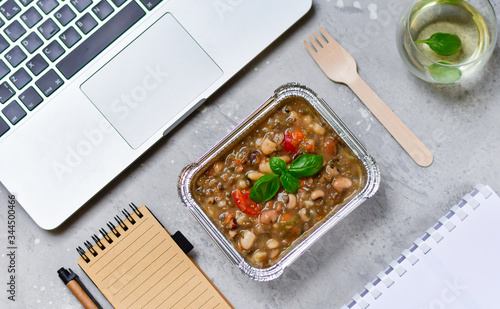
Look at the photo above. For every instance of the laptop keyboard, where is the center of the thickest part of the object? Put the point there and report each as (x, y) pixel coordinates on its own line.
(44, 43)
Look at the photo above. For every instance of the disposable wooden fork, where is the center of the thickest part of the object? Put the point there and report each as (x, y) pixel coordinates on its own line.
(341, 67)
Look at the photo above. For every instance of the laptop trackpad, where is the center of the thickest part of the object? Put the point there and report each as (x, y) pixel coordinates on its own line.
(150, 81)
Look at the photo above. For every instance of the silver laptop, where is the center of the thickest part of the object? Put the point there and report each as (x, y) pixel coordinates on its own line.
(88, 86)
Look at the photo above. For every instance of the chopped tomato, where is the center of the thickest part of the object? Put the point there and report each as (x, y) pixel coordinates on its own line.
(292, 140)
(245, 204)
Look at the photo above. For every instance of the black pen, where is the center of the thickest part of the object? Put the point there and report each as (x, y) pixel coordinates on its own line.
(76, 287)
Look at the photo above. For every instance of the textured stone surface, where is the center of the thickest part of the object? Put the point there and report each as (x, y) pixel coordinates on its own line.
(458, 123)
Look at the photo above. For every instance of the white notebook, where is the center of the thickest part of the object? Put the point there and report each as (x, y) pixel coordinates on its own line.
(454, 265)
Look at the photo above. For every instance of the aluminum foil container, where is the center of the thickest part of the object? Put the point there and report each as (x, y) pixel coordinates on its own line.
(187, 181)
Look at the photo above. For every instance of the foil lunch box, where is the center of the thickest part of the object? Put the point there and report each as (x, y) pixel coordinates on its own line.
(187, 181)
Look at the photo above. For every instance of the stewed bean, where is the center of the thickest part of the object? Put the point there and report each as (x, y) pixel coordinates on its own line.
(248, 239)
(316, 194)
(268, 216)
(292, 201)
(342, 183)
(268, 146)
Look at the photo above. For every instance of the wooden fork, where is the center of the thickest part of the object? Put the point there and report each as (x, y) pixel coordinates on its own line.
(341, 67)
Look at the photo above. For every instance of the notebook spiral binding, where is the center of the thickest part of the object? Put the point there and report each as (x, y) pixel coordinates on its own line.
(100, 242)
(396, 268)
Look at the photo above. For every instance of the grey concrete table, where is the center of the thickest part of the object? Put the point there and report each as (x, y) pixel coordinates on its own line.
(458, 123)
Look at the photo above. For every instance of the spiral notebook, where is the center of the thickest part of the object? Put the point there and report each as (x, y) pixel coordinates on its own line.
(138, 264)
(454, 265)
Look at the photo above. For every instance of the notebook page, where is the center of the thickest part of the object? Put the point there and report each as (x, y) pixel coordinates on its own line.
(454, 266)
(144, 268)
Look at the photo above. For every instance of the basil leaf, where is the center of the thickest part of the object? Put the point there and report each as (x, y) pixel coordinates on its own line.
(265, 188)
(444, 74)
(278, 166)
(444, 44)
(290, 182)
(306, 165)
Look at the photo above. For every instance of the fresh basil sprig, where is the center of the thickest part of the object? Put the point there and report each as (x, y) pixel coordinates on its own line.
(444, 44)
(267, 186)
(277, 165)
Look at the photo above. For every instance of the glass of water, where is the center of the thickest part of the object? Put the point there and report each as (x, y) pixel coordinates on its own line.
(447, 41)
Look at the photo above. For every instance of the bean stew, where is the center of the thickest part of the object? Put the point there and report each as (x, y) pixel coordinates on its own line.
(262, 232)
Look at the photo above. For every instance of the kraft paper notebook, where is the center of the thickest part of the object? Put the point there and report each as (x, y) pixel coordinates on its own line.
(454, 265)
(138, 264)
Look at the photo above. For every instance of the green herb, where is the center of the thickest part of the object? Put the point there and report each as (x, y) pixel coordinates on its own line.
(306, 165)
(267, 186)
(444, 74)
(444, 44)
(290, 182)
(278, 166)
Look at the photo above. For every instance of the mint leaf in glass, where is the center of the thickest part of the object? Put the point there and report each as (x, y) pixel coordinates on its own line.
(444, 44)
(444, 74)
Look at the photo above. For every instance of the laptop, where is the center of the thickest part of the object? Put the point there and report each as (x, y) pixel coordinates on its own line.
(88, 86)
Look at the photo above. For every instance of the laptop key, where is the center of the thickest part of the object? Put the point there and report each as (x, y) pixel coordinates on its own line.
(100, 39)
(65, 15)
(4, 127)
(31, 17)
(15, 56)
(102, 9)
(81, 5)
(14, 112)
(48, 28)
(150, 4)
(30, 98)
(20, 78)
(6, 92)
(47, 5)
(9, 9)
(3, 44)
(86, 23)
(118, 3)
(14, 31)
(49, 82)
(4, 69)
(53, 51)
(32, 42)
(25, 2)
(1, 22)
(70, 37)
(37, 64)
